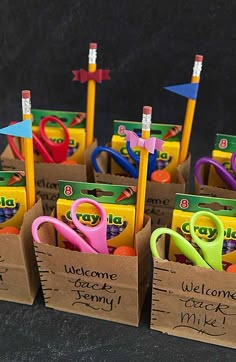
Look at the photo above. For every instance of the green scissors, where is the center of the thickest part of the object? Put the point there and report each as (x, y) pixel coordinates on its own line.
(211, 250)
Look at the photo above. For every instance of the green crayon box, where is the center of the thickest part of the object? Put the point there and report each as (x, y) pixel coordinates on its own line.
(117, 200)
(167, 159)
(13, 204)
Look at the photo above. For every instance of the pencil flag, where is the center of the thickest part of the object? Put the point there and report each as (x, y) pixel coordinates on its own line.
(19, 129)
(188, 90)
(99, 75)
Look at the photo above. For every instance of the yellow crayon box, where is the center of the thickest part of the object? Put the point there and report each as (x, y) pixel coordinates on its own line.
(117, 200)
(13, 203)
(167, 159)
(225, 145)
(225, 209)
(75, 123)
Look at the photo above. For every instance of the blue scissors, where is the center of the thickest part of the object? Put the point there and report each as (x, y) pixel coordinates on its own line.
(128, 167)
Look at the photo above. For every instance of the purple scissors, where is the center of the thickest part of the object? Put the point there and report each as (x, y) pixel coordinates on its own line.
(95, 242)
(227, 177)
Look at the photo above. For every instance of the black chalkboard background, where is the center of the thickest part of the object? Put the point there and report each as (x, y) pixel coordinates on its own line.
(147, 45)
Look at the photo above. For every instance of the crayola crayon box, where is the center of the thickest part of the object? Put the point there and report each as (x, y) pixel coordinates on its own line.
(225, 209)
(75, 123)
(167, 159)
(117, 200)
(13, 203)
(224, 146)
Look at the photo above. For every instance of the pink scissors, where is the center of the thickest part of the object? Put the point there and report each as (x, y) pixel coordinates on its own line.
(95, 236)
(50, 151)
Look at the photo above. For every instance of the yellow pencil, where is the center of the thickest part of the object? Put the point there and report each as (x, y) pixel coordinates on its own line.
(143, 167)
(189, 114)
(28, 151)
(91, 91)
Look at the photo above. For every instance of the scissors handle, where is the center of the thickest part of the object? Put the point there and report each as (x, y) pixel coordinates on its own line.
(68, 233)
(221, 171)
(233, 163)
(211, 250)
(183, 245)
(58, 150)
(117, 157)
(96, 234)
(136, 158)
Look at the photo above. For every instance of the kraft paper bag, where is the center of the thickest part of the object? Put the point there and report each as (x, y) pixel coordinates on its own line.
(19, 277)
(107, 287)
(212, 191)
(48, 174)
(193, 302)
(160, 198)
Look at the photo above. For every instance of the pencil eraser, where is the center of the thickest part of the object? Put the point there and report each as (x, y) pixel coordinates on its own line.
(93, 46)
(147, 110)
(198, 58)
(26, 94)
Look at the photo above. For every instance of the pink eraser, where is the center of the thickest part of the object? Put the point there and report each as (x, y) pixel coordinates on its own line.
(26, 94)
(93, 46)
(198, 58)
(147, 110)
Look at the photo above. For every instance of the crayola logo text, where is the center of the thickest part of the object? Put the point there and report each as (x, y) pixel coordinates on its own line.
(4, 202)
(160, 155)
(93, 219)
(60, 140)
(209, 232)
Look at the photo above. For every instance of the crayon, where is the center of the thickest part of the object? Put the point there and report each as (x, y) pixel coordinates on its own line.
(79, 118)
(173, 131)
(127, 193)
(18, 176)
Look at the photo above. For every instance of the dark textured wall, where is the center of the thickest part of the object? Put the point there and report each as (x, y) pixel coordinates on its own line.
(146, 44)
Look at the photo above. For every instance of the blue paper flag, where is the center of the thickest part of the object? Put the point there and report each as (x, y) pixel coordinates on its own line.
(20, 129)
(188, 90)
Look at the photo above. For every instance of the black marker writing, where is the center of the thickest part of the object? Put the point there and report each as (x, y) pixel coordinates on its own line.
(214, 307)
(96, 302)
(79, 283)
(202, 289)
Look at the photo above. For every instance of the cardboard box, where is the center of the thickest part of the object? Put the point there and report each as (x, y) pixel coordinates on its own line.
(107, 287)
(193, 302)
(160, 198)
(48, 174)
(19, 277)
